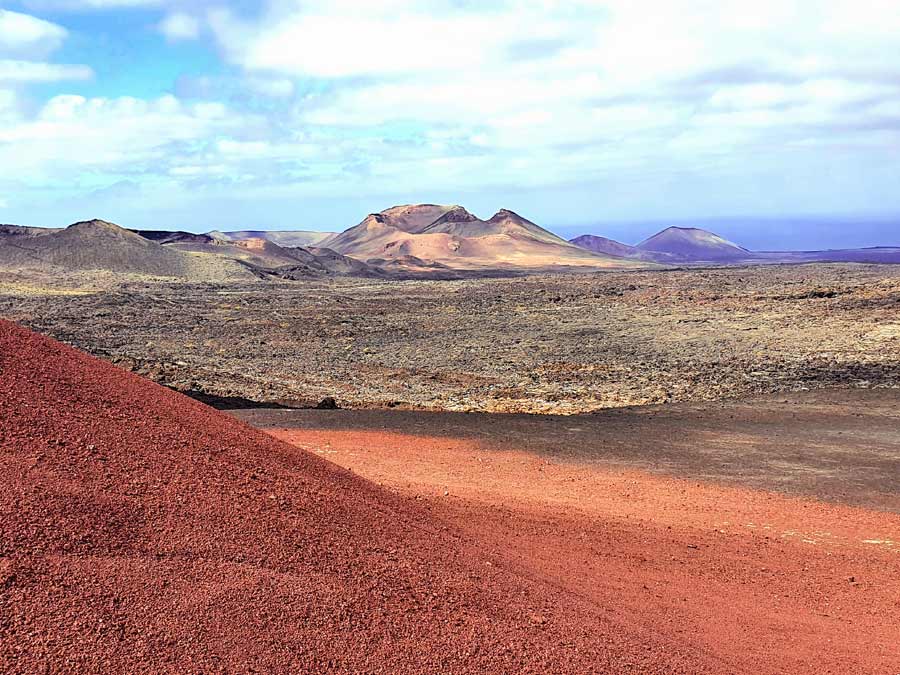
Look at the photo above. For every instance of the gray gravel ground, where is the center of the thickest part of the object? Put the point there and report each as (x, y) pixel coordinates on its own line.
(544, 344)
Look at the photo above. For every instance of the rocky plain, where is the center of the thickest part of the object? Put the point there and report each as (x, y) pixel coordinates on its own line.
(711, 485)
(561, 344)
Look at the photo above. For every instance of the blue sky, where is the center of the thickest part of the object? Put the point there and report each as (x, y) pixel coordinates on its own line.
(777, 122)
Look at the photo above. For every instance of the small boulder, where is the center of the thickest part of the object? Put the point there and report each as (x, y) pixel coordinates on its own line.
(327, 403)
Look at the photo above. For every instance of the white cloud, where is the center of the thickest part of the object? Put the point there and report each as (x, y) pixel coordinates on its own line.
(71, 134)
(826, 93)
(345, 39)
(229, 147)
(27, 36)
(180, 26)
(8, 101)
(271, 87)
(25, 42)
(468, 96)
(32, 71)
(528, 78)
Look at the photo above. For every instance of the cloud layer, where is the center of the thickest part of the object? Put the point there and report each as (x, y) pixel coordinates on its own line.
(582, 109)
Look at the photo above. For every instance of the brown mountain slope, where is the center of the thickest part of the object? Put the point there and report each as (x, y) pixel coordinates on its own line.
(143, 532)
(92, 245)
(460, 240)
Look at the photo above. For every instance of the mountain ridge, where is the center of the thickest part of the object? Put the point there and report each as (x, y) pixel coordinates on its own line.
(403, 241)
(452, 236)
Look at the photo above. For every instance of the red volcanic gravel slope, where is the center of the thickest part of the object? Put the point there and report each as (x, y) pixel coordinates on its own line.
(141, 531)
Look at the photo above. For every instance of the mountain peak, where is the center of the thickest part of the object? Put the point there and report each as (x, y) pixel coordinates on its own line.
(413, 217)
(98, 230)
(505, 217)
(95, 224)
(506, 214)
(457, 214)
(686, 230)
(693, 243)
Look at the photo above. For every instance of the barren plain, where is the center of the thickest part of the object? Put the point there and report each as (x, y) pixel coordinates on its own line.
(559, 344)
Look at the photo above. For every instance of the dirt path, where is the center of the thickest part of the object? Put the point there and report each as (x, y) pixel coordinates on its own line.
(766, 582)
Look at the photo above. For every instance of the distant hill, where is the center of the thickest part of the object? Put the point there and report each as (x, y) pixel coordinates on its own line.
(453, 237)
(266, 259)
(280, 237)
(168, 237)
(91, 245)
(691, 245)
(20, 230)
(673, 245)
(615, 248)
(590, 242)
(100, 245)
(694, 244)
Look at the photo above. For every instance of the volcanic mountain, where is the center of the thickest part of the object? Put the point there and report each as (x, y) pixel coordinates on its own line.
(141, 531)
(694, 244)
(90, 245)
(615, 248)
(100, 245)
(671, 246)
(452, 236)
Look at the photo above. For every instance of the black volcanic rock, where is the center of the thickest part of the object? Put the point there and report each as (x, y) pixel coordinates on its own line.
(174, 236)
(456, 215)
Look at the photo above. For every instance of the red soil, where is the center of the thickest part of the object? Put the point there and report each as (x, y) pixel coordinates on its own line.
(141, 531)
(765, 583)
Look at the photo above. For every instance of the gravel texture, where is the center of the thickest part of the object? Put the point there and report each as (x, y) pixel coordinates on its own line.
(543, 344)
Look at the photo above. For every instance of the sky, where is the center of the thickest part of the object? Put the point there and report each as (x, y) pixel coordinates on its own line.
(778, 121)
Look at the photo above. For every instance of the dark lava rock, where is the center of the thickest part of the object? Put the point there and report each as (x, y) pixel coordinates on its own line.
(327, 403)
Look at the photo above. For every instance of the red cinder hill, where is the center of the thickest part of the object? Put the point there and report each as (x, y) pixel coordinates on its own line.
(142, 532)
